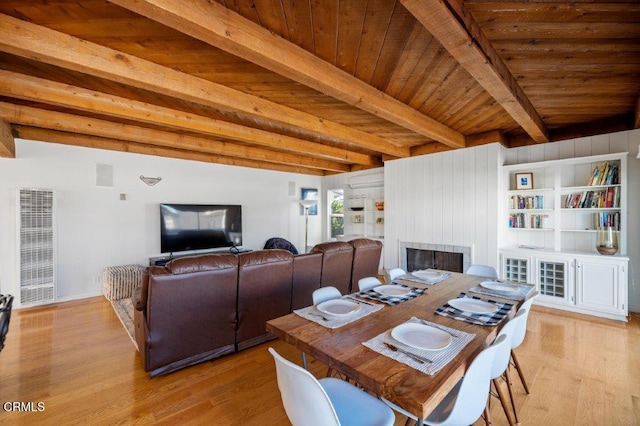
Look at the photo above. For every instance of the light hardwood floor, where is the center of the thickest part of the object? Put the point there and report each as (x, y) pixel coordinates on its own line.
(76, 358)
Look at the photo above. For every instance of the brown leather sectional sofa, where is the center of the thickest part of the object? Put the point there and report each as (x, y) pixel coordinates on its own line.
(199, 308)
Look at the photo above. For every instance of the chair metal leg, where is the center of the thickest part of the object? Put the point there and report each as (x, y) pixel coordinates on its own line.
(519, 370)
(304, 360)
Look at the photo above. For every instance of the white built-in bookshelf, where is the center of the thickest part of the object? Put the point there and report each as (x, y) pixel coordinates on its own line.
(567, 204)
(554, 211)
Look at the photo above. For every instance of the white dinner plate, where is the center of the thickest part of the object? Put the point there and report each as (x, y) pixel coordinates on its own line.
(338, 307)
(473, 305)
(392, 290)
(498, 286)
(427, 275)
(421, 336)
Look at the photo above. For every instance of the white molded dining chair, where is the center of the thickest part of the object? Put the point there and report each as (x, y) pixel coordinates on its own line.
(519, 335)
(394, 273)
(466, 402)
(326, 402)
(325, 293)
(368, 282)
(322, 295)
(500, 368)
(482, 271)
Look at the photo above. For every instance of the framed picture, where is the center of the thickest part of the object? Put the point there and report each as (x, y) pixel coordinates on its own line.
(309, 194)
(524, 180)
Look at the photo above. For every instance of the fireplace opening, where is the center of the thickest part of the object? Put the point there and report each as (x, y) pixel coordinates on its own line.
(418, 259)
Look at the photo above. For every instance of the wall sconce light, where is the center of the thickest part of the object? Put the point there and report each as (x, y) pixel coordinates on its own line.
(150, 180)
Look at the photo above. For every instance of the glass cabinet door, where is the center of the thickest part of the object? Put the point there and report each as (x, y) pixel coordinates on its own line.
(553, 279)
(516, 268)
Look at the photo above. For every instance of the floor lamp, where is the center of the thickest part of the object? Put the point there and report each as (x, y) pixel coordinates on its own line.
(307, 205)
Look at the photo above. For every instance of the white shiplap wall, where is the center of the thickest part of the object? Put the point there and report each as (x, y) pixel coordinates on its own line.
(449, 198)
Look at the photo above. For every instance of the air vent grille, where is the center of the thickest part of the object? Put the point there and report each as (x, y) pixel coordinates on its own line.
(37, 275)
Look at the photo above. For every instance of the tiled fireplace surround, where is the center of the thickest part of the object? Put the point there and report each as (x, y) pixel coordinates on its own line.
(465, 251)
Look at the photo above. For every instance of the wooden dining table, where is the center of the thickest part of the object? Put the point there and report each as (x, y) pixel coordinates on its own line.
(342, 348)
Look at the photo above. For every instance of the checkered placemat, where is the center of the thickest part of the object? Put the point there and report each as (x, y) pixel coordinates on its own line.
(492, 318)
(391, 300)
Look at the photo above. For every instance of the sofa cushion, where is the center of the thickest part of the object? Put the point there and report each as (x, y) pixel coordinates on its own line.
(366, 259)
(307, 272)
(206, 262)
(337, 258)
(264, 293)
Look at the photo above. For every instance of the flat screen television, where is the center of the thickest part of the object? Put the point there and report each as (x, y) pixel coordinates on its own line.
(186, 227)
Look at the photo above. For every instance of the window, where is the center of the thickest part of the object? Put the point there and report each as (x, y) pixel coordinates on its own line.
(335, 203)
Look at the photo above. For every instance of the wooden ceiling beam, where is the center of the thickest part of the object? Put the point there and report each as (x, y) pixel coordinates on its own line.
(7, 142)
(76, 124)
(602, 126)
(42, 44)
(487, 137)
(461, 35)
(472, 140)
(429, 148)
(96, 142)
(35, 89)
(220, 27)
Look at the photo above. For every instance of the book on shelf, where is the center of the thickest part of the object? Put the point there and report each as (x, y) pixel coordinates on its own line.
(605, 198)
(603, 220)
(604, 174)
(525, 220)
(609, 198)
(521, 202)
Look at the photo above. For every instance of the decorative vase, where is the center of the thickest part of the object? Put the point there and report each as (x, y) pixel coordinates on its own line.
(607, 241)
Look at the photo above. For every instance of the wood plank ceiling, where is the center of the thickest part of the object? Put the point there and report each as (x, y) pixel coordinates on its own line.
(314, 86)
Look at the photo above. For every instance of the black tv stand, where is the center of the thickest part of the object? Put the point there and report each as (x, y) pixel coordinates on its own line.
(163, 260)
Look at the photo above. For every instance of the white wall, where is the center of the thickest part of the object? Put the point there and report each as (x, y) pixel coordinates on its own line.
(445, 198)
(95, 229)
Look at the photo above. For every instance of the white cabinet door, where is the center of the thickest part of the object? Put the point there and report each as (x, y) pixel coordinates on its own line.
(588, 284)
(599, 285)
